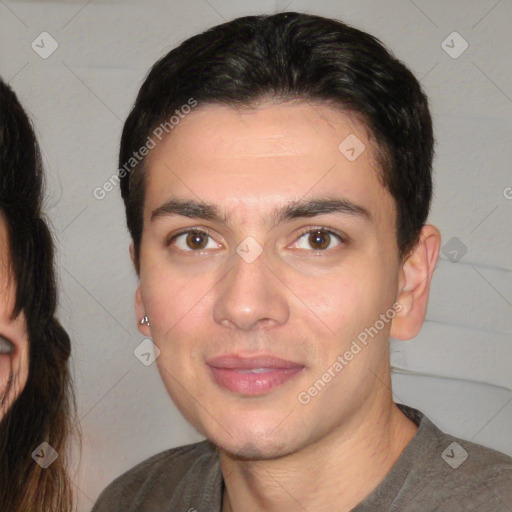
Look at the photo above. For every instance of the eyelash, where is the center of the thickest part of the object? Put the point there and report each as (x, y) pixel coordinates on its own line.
(339, 236)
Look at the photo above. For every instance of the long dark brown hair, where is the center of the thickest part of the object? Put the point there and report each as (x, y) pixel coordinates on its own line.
(44, 409)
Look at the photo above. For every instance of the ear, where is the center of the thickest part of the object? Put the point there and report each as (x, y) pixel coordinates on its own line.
(140, 309)
(414, 284)
(140, 312)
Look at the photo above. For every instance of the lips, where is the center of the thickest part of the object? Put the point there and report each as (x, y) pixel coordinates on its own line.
(249, 363)
(252, 375)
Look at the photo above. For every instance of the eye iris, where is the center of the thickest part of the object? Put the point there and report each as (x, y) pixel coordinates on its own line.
(196, 240)
(316, 237)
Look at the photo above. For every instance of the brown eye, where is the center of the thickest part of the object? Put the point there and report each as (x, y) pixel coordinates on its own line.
(193, 240)
(319, 240)
(197, 240)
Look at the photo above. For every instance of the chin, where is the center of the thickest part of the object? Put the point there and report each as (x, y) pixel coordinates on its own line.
(256, 449)
(246, 442)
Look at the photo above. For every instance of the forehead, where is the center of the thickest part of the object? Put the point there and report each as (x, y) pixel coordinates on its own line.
(267, 130)
(249, 160)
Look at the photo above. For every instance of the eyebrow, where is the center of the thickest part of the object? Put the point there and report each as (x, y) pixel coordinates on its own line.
(295, 209)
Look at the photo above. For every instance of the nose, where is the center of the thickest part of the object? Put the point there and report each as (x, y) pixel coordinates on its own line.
(251, 296)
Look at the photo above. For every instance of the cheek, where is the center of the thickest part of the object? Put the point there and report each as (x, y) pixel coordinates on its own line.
(14, 367)
(172, 299)
(13, 372)
(5, 370)
(346, 298)
(180, 311)
(350, 301)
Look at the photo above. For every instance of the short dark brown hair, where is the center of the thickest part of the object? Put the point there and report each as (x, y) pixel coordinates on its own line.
(294, 56)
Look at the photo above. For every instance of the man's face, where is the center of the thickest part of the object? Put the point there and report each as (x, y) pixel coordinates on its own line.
(215, 302)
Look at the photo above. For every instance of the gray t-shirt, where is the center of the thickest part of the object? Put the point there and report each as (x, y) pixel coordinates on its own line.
(435, 472)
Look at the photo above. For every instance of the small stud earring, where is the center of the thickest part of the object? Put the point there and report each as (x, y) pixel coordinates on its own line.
(145, 321)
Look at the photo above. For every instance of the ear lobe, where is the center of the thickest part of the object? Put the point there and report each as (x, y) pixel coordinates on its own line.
(140, 312)
(414, 284)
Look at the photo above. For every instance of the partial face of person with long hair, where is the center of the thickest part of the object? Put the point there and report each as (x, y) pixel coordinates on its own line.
(14, 345)
(36, 397)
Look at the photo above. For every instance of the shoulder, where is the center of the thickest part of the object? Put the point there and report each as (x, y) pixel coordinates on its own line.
(482, 481)
(154, 480)
(474, 464)
(462, 475)
(461, 453)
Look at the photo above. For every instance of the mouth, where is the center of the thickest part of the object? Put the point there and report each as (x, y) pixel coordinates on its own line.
(252, 375)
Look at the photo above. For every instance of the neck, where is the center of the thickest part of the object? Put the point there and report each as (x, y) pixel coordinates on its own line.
(337, 472)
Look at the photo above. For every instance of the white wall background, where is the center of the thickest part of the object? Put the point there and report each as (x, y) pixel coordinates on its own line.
(458, 370)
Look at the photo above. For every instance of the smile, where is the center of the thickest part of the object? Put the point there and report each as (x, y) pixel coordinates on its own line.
(252, 375)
